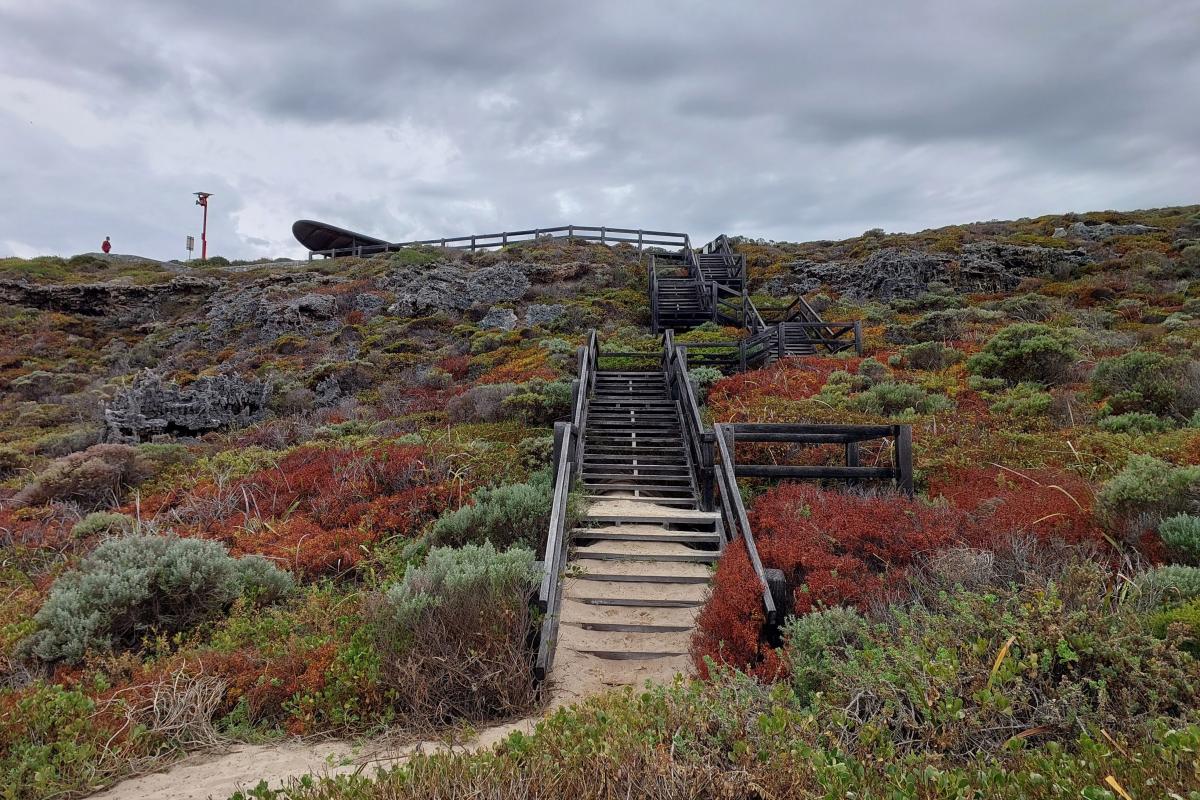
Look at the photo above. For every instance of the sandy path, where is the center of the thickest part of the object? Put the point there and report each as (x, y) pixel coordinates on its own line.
(576, 676)
(218, 775)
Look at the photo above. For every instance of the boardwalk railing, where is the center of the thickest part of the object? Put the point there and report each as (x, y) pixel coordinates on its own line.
(897, 437)
(567, 461)
(698, 440)
(487, 241)
(735, 521)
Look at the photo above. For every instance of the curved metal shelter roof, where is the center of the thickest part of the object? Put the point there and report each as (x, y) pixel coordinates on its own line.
(323, 236)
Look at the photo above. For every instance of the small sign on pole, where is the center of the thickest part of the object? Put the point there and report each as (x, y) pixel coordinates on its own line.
(191, 245)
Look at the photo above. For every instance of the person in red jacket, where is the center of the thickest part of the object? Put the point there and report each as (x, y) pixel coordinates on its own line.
(107, 246)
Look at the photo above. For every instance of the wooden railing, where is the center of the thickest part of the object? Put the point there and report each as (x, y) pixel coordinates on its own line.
(698, 441)
(898, 437)
(568, 462)
(486, 241)
(735, 521)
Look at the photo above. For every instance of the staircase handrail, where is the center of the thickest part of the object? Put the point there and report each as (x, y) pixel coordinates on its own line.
(734, 518)
(697, 438)
(568, 463)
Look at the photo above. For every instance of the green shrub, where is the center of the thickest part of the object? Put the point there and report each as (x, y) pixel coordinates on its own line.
(887, 399)
(535, 452)
(1142, 381)
(873, 370)
(1181, 533)
(453, 634)
(931, 356)
(99, 476)
(960, 672)
(1133, 422)
(1023, 400)
(99, 522)
(949, 324)
(11, 460)
(1180, 625)
(1147, 490)
(140, 586)
(1174, 582)
(1030, 307)
(812, 641)
(702, 379)
(539, 402)
(517, 513)
(1026, 352)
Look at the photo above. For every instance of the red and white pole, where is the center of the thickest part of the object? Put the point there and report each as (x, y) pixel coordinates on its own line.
(202, 201)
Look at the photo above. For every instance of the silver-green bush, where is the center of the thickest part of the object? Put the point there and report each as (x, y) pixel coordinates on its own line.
(141, 586)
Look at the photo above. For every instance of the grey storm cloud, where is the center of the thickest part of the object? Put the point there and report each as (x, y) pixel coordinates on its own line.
(776, 119)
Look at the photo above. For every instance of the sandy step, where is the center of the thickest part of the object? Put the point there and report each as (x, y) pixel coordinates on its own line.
(573, 637)
(692, 592)
(592, 567)
(647, 550)
(579, 612)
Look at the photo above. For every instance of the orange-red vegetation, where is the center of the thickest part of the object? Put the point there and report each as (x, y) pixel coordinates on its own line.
(320, 509)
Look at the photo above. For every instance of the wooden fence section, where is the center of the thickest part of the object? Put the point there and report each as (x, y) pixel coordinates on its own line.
(487, 241)
(899, 438)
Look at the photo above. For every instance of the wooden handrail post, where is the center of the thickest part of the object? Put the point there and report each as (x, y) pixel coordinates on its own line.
(779, 341)
(903, 456)
(858, 344)
(707, 470)
(639, 240)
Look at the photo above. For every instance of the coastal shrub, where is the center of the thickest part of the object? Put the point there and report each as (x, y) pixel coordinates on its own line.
(516, 513)
(1051, 505)
(101, 522)
(1023, 400)
(1030, 307)
(931, 356)
(1143, 381)
(891, 398)
(1180, 625)
(813, 641)
(962, 672)
(1026, 352)
(539, 402)
(135, 587)
(1133, 422)
(482, 403)
(319, 509)
(452, 636)
(1171, 583)
(97, 477)
(1146, 491)
(1181, 535)
(702, 379)
(11, 460)
(949, 324)
(833, 549)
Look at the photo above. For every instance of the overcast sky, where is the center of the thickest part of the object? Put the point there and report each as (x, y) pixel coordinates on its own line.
(791, 120)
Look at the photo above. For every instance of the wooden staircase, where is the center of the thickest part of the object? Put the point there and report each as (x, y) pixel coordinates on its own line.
(640, 561)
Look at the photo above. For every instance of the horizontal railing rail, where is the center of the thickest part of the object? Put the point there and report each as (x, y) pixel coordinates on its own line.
(898, 438)
(486, 241)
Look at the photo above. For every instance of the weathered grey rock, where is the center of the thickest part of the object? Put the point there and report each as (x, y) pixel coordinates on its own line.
(543, 314)
(1100, 231)
(895, 272)
(113, 299)
(499, 319)
(152, 406)
(264, 312)
(369, 304)
(453, 287)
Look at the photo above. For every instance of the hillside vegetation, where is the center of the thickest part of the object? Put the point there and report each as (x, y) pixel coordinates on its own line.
(245, 503)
